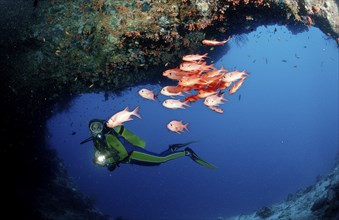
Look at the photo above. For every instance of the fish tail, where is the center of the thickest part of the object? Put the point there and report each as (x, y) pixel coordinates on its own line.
(186, 103)
(223, 97)
(156, 96)
(135, 112)
(205, 55)
(186, 125)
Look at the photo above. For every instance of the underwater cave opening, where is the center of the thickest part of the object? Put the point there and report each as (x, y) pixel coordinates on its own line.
(277, 134)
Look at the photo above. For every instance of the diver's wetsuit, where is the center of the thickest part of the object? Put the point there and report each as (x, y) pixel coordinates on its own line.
(123, 146)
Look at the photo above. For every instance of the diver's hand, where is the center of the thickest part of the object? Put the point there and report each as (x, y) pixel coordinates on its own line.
(112, 167)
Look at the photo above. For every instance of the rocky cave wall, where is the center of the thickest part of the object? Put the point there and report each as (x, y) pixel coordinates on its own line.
(53, 50)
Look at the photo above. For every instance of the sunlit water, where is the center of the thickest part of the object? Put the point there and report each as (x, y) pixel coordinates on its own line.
(276, 139)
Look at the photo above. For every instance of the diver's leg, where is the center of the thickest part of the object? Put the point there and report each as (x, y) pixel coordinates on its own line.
(143, 157)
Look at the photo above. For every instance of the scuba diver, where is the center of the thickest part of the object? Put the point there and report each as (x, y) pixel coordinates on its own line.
(113, 146)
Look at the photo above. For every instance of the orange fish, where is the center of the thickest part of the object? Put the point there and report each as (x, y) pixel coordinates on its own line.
(194, 57)
(309, 21)
(234, 76)
(177, 126)
(188, 81)
(167, 91)
(174, 74)
(195, 66)
(205, 80)
(236, 86)
(215, 72)
(214, 42)
(216, 109)
(174, 103)
(203, 93)
(214, 100)
(192, 98)
(121, 117)
(147, 94)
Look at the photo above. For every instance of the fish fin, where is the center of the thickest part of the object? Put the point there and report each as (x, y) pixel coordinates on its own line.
(135, 112)
(185, 126)
(186, 103)
(223, 97)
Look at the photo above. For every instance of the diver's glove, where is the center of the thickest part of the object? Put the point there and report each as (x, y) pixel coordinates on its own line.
(112, 167)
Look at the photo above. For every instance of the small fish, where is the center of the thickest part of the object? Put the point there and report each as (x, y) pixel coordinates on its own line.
(166, 91)
(239, 97)
(177, 126)
(214, 100)
(309, 21)
(236, 86)
(121, 117)
(284, 61)
(147, 94)
(175, 103)
(217, 109)
(194, 57)
(234, 76)
(214, 42)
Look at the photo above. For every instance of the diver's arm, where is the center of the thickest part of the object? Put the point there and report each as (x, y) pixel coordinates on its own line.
(130, 136)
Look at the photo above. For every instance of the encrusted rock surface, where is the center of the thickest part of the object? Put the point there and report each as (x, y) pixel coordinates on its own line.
(320, 201)
(53, 50)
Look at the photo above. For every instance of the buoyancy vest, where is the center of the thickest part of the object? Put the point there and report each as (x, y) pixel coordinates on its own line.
(115, 151)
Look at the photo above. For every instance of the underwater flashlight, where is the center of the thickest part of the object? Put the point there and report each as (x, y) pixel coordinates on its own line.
(101, 159)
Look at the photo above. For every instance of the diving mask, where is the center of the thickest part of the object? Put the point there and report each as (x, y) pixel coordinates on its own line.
(96, 128)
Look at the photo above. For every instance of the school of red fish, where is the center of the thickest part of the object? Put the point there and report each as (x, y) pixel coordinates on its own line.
(196, 78)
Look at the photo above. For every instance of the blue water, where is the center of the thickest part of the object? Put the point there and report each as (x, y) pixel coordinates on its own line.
(276, 139)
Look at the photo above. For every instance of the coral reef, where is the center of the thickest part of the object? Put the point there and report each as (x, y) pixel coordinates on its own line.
(319, 201)
(56, 49)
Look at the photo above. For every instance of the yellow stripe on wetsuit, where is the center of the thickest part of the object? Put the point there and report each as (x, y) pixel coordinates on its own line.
(140, 156)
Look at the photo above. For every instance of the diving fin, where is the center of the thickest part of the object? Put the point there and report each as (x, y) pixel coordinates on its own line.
(174, 147)
(195, 158)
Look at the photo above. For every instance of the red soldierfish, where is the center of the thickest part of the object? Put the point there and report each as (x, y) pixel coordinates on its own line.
(234, 76)
(194, 57)
(166, 91)
(192, 98)
(174, 103)
(214, 100)
(121, 117)
(214, 42)
(216, 109)
(147, 94)
(195, 66)
(236, 86)
(177, 126)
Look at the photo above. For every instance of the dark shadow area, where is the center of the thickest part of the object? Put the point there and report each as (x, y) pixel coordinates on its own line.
(29, 166)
